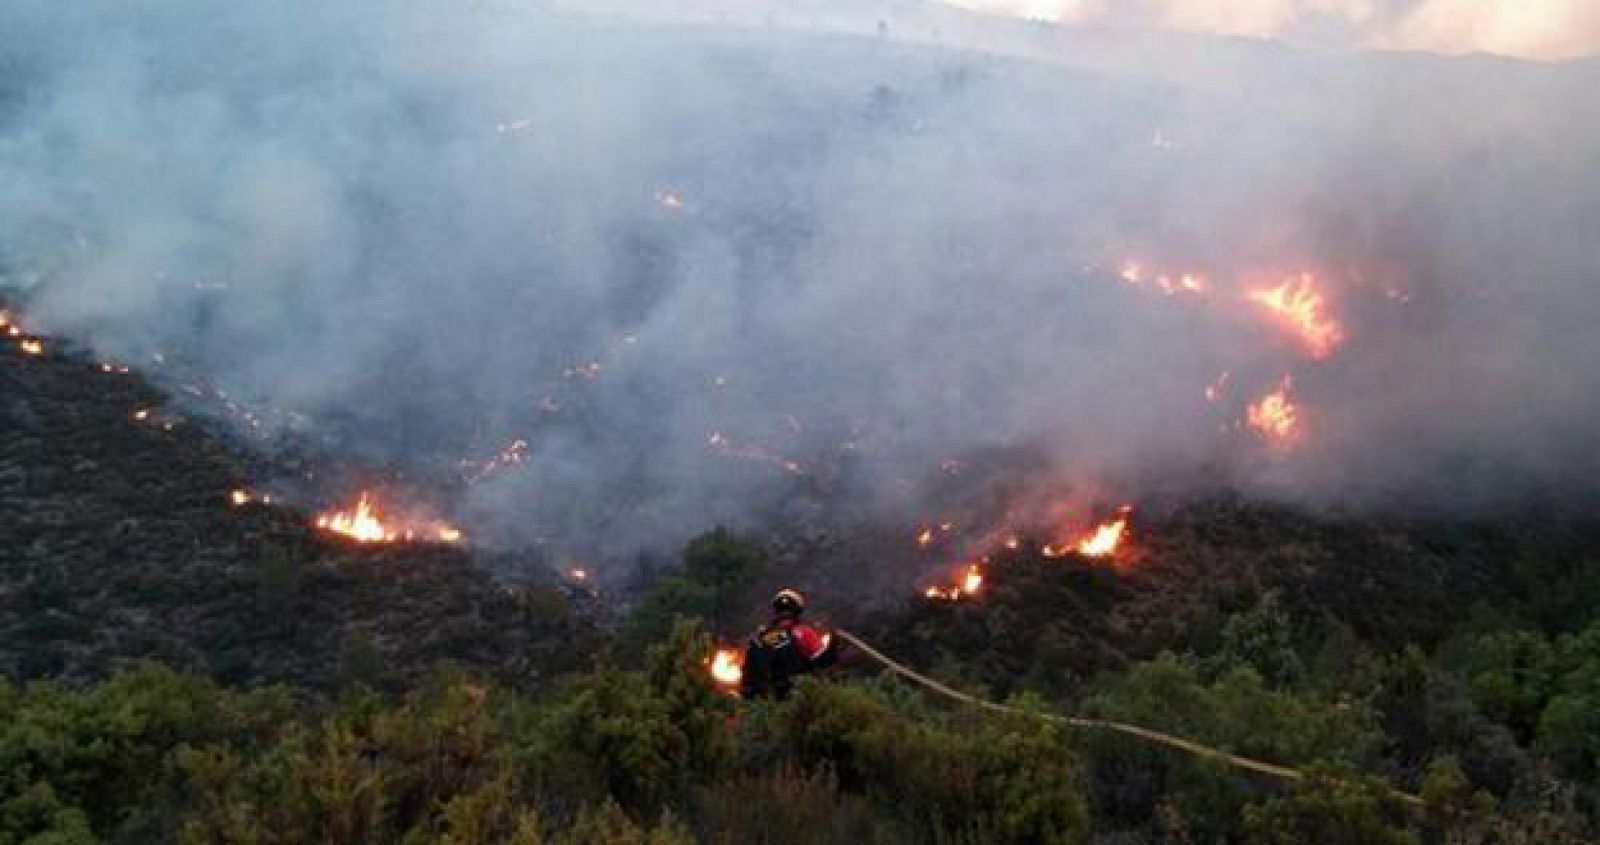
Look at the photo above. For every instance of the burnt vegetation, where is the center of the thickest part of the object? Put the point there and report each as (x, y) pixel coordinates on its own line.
(185, 668)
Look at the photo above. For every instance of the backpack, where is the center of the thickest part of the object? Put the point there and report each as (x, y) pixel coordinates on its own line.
(771, 660)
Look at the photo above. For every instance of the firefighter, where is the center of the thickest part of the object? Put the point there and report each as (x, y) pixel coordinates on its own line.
(784, 648)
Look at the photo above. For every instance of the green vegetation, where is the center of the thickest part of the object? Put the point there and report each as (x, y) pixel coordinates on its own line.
(1496, 730)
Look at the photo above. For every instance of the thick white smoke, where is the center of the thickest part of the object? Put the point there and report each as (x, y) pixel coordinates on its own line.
(809, 266)
(1535, 29)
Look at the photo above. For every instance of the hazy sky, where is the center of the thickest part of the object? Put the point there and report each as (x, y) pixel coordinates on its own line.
(1537, 29)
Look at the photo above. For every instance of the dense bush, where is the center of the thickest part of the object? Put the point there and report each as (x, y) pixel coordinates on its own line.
(1496, 728)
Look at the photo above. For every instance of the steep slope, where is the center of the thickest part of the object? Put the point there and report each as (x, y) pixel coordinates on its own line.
(118, 540)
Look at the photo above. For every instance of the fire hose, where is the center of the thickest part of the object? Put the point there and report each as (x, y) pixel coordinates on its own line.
(1147, 735)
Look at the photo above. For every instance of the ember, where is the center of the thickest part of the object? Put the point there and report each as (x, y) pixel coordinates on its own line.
(670, 200)
(512, 455)
(721, 445)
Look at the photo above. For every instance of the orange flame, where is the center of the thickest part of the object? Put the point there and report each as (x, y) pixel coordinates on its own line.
(1274, 416)
(1106, 537)
(1301, 308)
(973, 581)
(1101, 541)
(969, 585)
(727, 669)
(28, 345)
(365, 526)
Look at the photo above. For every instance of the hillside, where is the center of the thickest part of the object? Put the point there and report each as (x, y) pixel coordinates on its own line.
(1343, 644)
(121, 542)
(408, 412)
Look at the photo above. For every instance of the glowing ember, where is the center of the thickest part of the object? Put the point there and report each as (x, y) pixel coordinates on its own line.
(670, 200)
(1214, 390)
(512, 455)
(1302, 309)
(1186, 283)
(239, 498)
(142, 414)
(1171, 284)
(1274, 416)
(721, 445)
(727, 669)
(31, 346)
(364, 525)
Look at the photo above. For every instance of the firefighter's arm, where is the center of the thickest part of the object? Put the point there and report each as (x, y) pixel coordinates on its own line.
(829, 653)
(819, 649)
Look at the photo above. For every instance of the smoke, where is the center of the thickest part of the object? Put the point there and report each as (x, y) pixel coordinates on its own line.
(1544, 30)
(728, 276)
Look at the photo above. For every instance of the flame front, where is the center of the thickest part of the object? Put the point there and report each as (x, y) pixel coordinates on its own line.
(970, 583)
(1301, 308)
(1274, 416)
(973, 581)
(727, 669)
(1101, 541)
(1106, 537)
(364, 525)
(28, 345)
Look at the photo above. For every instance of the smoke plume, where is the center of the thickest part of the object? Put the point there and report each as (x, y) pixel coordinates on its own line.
(1544, 30)
(706, 274)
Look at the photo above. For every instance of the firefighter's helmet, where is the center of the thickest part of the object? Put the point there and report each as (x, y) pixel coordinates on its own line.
(789, 601)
